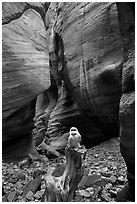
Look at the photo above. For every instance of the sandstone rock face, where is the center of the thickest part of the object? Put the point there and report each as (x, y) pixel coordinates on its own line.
(67, 114)
(126, 13)
(89, 60)
(64, 64)
(25, 69)
(45, 104)
(13, 10)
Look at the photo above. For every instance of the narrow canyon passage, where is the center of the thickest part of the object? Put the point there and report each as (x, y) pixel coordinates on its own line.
(64, 65)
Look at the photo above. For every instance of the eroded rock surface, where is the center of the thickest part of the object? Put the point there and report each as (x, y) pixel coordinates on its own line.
(45, 104)
(88, 56)
(25, 68)
(67, 114)
(126, 13)
(13, 10)
(63, 64)
(25, 71)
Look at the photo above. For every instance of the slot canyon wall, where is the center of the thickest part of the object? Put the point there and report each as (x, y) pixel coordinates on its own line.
(89, 62)
(25, 71)
(126, 18)
(62, 67)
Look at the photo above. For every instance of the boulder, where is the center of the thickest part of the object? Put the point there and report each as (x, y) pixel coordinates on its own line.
(12, 196)
(88, 181)
(32, 185)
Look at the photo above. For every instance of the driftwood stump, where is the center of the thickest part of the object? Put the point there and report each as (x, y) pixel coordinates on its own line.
(62, 189)
(56, 145)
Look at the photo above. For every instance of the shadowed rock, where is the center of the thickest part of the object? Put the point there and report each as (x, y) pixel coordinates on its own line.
(89, 62)
(25, 71)
(126, 16)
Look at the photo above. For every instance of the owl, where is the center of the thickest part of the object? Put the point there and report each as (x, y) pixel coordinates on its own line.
(74, 138)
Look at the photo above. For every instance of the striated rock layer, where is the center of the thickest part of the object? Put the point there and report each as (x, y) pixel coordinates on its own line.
(45, 104)
(88, 58)
(68, 64)
(67, 114)
(13, 10)
(25, 71)
(126, 13)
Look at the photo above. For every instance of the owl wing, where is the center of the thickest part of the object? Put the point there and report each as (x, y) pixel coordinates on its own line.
(79, 137)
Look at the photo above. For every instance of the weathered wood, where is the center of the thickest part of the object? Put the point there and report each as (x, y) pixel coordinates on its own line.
(61, 189)
(57, 144)
(48, 148)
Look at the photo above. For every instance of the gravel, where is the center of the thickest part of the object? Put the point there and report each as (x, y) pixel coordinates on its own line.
(104, 176)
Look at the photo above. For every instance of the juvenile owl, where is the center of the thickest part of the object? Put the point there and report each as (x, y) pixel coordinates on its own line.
(74, 138)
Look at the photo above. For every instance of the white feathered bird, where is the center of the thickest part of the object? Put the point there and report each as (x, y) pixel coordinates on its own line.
(74, 138)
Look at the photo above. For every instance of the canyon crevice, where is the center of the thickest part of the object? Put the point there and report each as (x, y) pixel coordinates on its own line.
(66, 64)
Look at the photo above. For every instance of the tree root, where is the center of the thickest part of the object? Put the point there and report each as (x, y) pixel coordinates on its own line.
(62, 189)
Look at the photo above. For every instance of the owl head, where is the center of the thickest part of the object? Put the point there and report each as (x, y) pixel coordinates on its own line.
(73, 131)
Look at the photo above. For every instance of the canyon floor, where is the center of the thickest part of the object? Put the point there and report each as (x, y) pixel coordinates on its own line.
(104, 175)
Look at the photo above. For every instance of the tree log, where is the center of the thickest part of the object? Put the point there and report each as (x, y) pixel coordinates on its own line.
(56, 145)
(62, 189)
